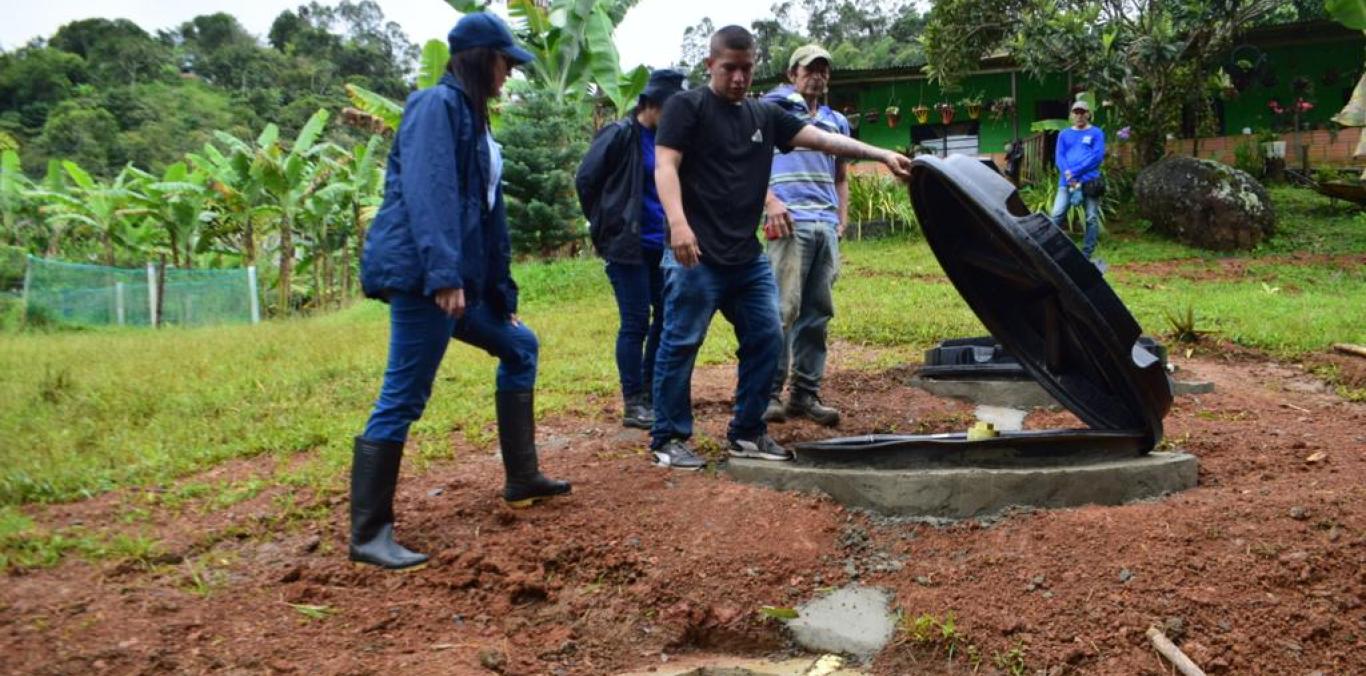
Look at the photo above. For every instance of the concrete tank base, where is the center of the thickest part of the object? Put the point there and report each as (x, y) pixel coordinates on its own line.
(959, 493)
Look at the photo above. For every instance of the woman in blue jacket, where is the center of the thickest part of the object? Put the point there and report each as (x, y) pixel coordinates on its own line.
(438, 253)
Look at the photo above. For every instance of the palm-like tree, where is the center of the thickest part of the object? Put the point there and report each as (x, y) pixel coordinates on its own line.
(358, 174)
(103, 208)
(236, 192)
(288, 178)
(571, 40)
(180, 201)
(14, 186)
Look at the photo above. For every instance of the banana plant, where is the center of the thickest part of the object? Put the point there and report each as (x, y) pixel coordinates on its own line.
(181, 203)
(288, 178)
(324, 241)
(236, 193)
(358, 174)
(13, 186)
(571, 40)
(573, 45)
(104, 209)
(379, 114)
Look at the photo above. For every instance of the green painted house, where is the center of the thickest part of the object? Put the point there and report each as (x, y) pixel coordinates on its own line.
(1267, 64)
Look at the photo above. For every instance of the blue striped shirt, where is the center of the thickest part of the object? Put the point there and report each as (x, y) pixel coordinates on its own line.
(805, 179)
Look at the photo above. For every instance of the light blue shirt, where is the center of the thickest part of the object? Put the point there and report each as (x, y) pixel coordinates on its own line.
(495, 168)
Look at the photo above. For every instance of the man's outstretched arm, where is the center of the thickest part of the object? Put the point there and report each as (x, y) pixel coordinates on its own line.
(852, 149)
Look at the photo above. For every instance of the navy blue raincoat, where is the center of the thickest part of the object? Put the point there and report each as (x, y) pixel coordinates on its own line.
(435, 230)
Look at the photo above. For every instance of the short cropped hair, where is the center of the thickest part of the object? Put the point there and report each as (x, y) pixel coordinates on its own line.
(731, 37)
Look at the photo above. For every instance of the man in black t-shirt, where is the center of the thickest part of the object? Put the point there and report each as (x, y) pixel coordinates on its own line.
(713, 153)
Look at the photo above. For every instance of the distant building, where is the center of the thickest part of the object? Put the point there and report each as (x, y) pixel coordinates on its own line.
(1266, 64)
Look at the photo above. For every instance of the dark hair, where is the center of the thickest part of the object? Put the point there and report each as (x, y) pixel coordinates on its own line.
(731, 37)
(474, 69)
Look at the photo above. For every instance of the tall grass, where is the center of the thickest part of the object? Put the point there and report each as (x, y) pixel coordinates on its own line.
(85, 412)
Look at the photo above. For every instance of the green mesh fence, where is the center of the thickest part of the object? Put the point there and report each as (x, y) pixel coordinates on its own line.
(74, 293)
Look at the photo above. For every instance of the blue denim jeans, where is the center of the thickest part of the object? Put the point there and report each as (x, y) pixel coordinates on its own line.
(419, 332)
(747, 297)
(1068, 199)
(806, 266)
(640, 302)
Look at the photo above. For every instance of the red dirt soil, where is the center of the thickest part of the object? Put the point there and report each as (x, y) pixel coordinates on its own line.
(1257, 570)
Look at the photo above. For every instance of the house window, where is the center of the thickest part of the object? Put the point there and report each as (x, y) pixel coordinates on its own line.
(962, 137)
(1053, 109)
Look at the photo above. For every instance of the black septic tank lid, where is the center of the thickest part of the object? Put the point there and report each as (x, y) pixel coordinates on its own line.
(1039, 297)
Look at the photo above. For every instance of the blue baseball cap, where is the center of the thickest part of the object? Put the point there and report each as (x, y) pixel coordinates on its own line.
(482, 29)
(663, 83)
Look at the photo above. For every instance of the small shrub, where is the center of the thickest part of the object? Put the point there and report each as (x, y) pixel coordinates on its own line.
(877, 197)
(1183, 326)
(1247, 157)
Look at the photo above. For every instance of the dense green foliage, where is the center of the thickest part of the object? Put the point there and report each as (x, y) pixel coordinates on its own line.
(543, 140)
(104, 93)
(1148, 61)
(857, 33)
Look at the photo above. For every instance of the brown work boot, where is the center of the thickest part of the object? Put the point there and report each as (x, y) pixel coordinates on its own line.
(809, 406)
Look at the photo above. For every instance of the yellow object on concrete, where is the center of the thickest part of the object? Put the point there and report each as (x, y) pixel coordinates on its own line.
(982, 430)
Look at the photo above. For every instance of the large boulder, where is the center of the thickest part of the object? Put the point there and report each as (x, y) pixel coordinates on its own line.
(1205, 203)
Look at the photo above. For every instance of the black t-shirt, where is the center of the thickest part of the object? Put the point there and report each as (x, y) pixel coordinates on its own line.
(727, 154)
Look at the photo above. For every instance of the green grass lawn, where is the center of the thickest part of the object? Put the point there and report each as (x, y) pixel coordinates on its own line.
(90, 411)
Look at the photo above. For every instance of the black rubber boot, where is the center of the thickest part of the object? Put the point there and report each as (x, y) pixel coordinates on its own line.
(374, 475)
(517, 436)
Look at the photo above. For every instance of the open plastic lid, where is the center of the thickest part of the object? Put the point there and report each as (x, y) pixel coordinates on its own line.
(1039, 297)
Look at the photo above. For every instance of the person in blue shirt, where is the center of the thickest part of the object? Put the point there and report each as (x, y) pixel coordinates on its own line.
(1080, 152)
(616, 187)
(438, 253)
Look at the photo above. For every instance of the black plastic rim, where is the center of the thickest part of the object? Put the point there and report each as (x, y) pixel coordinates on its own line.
(1031, 448)
(1039, 297)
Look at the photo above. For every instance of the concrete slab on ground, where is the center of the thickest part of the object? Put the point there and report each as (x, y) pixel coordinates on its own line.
(960, 493)
(853, 620)
(828, 665)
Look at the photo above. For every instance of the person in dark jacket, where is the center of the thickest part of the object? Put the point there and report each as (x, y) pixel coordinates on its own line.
(616, 186)
(438, 253)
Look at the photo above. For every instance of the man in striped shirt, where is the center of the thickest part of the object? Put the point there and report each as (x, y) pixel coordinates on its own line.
(809, 193)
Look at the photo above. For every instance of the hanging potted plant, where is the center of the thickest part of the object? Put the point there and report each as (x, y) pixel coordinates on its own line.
(973, 104)
(852, 116)
(921, 112)
(893, 113)
(945, 112)
(1002, 107)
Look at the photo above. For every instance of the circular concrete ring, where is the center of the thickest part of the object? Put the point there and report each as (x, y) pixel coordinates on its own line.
(962, 493)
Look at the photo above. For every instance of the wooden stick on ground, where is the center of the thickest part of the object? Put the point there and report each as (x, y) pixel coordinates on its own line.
(1173, 654)
(1355, 350)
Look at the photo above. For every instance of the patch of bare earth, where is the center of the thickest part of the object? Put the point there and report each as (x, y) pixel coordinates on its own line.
(1234, 268)
(1257, 570)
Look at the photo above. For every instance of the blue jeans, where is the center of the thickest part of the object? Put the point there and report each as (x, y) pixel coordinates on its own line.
(747, 297)
(640, 302)
(1067, 199)
(806, 266)
(419, 332)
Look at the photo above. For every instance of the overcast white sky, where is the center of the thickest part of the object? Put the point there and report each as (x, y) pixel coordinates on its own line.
(651, 33)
